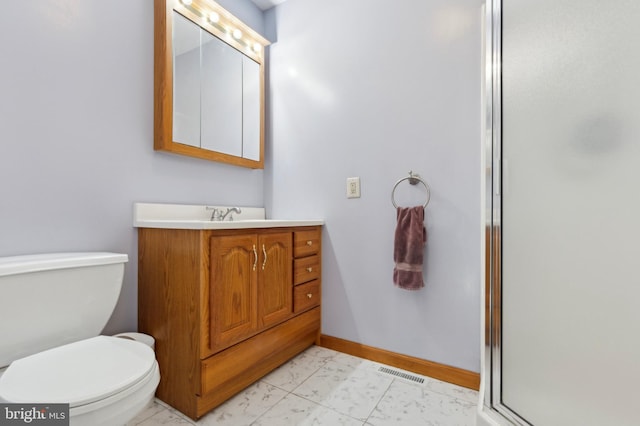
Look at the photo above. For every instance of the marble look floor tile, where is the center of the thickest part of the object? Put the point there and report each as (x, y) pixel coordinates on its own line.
(292, 374)
(349, 390)
(152, 409)
(452, 390)
(245, 407)
(320, 352)
(332, 388)
(166, 417)
(296, 411)
(435, 385)
(352, 361)
(408, 404)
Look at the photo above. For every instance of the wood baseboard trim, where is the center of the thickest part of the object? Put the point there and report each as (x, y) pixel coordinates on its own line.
(446, 373)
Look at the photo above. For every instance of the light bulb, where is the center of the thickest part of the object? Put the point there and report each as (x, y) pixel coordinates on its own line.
(257, 47)
(214, 17)
(186, 2)
(237, 34)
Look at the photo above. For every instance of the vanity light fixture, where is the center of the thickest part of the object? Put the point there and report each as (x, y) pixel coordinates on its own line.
(209, 15)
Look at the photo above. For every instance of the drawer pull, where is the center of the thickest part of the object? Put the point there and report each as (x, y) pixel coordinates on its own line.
(309, 243)
(309, 269)
(309, 295)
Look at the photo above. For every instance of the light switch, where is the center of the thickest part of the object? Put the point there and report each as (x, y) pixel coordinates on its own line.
(353, 187)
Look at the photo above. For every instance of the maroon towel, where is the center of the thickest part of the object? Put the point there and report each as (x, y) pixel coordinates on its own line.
(408, 248)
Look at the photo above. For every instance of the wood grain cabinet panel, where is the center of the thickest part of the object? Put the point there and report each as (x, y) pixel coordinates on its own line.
(306, 296)
(274, 286)
(306, 269)
(306, 242)
(233, 289)
(220, 304)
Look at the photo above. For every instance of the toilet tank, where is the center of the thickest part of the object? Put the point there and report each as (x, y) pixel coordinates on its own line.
(48, 300)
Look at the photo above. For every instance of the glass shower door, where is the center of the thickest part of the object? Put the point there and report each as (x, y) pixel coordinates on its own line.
(567, 141)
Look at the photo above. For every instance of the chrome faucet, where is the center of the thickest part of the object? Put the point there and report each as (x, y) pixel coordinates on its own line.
(228, 213)
(215, 214)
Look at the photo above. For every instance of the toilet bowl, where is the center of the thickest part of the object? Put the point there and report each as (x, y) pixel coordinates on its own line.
(105, 380)
(52, 309)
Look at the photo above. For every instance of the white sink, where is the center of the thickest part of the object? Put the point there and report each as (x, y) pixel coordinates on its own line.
(181, 216)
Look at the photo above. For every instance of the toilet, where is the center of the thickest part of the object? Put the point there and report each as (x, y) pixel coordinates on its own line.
(53, 308)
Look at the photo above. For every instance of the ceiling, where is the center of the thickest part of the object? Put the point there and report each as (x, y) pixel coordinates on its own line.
(267, 4)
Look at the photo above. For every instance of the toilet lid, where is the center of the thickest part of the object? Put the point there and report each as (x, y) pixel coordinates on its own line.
(78, 373)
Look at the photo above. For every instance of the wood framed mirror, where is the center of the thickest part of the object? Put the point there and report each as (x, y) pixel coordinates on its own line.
(209, 84)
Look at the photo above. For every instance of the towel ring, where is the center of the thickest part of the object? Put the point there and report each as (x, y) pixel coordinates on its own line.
(413, 179)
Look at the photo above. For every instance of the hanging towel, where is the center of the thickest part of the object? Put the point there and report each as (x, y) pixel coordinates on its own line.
(410, 239)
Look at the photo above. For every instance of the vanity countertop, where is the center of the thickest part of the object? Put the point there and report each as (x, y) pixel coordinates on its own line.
(235, 224)
(181, 216)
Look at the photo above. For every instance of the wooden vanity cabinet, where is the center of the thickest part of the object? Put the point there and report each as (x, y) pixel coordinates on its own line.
(306, 270)
(250, 286)
(226, 307)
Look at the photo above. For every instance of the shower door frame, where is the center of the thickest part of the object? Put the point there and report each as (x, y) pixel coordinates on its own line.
(492, 368)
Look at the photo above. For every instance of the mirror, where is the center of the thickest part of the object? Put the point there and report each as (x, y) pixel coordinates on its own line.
(209, 84)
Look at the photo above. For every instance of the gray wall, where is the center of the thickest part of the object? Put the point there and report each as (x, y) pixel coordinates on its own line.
(374, 89)
(359, 88)
(247, 12)
(76, 129)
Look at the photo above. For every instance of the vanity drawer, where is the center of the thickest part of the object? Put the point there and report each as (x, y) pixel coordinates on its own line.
(306, 269)
(306, 296)
(306, 243)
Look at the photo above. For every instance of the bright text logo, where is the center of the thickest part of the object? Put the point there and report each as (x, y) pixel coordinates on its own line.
(34, 414)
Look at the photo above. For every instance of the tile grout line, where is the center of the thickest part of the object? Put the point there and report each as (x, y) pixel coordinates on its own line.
(324, 362)
(344, 364)
(379, 400)
(271, 408)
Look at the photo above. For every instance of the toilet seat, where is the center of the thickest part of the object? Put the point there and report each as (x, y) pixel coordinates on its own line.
(79, 373)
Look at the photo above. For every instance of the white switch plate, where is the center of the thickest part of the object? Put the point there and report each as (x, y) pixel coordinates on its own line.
(353, 187)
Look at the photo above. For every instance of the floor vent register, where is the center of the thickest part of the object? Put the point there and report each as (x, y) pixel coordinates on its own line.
(402, 375)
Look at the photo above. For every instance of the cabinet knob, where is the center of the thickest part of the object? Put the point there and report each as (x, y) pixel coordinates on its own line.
(309, 269)
(309, 295)
(309, 243)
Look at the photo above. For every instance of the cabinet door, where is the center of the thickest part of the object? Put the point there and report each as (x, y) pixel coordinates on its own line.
(275, 291)
(233, 289)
